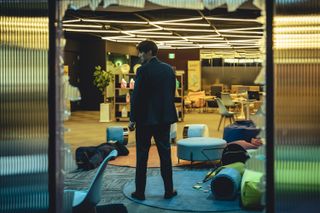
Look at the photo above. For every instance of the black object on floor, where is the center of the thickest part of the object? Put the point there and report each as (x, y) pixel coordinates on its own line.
(112, 208)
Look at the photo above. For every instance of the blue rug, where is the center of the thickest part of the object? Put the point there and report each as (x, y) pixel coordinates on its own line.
(188, 198)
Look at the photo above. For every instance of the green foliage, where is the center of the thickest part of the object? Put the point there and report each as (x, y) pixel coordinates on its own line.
(102, 78)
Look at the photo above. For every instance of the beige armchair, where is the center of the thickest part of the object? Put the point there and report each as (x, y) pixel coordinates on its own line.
(196, 99)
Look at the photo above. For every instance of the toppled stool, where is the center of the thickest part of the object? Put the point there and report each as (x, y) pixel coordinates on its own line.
(200, 149)
(226, 184)
(118, 133)
(195, 130)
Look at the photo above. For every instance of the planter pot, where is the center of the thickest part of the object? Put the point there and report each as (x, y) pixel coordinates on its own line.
(105, 112)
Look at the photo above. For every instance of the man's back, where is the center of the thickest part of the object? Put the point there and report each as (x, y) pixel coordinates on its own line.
(156, 94)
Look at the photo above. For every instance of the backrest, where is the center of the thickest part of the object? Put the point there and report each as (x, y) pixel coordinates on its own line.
(222, 109)
(94, 193)
(196, 95)
(253, 95)
(226, 99)
(216, 90)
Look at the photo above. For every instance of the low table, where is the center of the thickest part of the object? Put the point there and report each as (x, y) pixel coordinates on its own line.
(200, 149)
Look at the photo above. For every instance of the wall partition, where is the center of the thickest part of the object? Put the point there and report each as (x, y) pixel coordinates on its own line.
(24, 107)
(296, 107)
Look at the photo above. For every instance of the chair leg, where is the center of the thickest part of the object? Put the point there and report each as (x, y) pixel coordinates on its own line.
(233, 118)
(224, 121)
(220, 122)
(230, 120)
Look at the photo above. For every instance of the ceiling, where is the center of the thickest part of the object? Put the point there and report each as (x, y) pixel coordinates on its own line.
(238, 32)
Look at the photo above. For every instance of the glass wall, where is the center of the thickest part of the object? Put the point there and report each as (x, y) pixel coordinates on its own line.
(297, 110)
(24, 107)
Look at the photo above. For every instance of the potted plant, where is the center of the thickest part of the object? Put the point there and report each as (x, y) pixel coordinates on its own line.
(102, 79)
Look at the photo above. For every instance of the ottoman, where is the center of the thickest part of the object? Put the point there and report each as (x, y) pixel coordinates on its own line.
(117, 133)
(195, 130)
(200, 149)
(240, 130)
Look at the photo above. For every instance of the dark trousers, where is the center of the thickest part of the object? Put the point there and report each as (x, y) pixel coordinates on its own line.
(161, 134)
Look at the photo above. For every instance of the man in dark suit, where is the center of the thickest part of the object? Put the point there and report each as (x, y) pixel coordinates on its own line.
(152, 112)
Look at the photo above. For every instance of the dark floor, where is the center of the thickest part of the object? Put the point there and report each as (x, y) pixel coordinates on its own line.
(115, 178)
(86, 130)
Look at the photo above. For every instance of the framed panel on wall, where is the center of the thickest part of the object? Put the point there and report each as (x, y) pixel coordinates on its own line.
(194, 75)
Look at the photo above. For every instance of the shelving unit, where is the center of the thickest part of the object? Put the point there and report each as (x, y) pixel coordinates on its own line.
(179, 99)
(120, 96)
(121, 93)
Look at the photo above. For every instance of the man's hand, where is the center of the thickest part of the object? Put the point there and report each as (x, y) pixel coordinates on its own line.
(132, 126)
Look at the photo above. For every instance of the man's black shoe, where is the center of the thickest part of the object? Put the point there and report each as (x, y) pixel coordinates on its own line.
(137, 196)
(170, 195)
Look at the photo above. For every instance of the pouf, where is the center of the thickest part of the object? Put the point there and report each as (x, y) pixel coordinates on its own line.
(225, 185)
(200, 148)
(118, 133)
(240, 130)
(195, 130)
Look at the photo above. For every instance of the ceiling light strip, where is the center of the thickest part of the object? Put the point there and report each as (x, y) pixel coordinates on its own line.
(189, 30)
(114, 21)
(71, 21)
(91, 30)
(82, 25)
(129, 41)
(244, 28)
(142, 30)
(153, 33)
(203, 37)
(231, 19)
(241, 36)
(179, 20)
(240, 32)
(119, 37)
(156, 36)
(182, 24)
(176, 41)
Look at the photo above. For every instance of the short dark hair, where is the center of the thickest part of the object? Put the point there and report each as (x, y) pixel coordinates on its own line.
(146, 46)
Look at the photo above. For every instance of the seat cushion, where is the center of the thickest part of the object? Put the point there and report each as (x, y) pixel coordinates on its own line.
(195, 130)
(200, 148)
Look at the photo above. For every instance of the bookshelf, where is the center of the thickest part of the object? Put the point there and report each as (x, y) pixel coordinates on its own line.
(122, 96)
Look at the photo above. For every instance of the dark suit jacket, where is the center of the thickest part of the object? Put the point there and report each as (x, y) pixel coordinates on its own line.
(152, 100)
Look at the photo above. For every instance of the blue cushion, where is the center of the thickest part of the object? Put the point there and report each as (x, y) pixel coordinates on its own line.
(200, 148)
(195, 130)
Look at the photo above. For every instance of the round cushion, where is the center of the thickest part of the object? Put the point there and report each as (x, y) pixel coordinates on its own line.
(117, 133)
(195, 130)
(200, 148)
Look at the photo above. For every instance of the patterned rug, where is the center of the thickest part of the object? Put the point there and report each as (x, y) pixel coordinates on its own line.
(154, 160)
(114, 179)
(188, 198)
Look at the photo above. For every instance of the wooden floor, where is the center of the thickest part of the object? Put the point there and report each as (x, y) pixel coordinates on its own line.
(84, 128)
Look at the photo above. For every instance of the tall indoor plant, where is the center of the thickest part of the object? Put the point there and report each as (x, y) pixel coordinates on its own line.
(102, 79)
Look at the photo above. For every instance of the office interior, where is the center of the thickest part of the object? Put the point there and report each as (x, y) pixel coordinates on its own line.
(219, 52)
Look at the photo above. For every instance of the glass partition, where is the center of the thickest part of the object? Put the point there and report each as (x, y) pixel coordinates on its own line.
(297, 112)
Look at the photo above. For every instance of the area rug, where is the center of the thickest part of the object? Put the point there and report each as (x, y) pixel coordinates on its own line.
(154, 161)
(188, 198)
